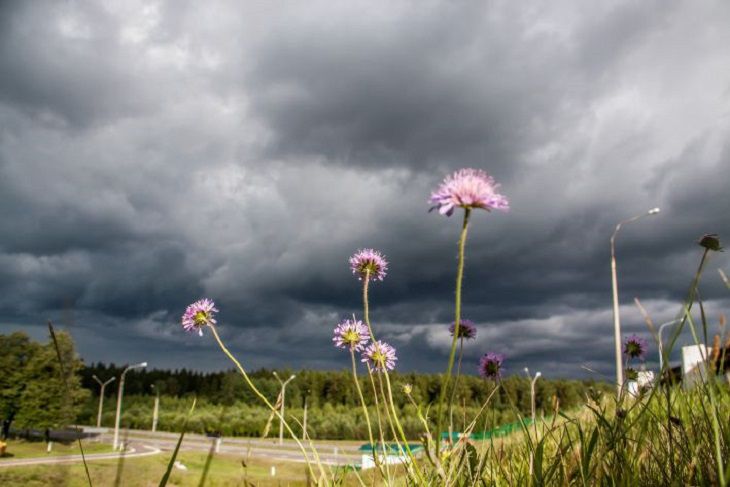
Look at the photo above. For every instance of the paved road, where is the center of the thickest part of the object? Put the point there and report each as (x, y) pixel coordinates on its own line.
(144, 451)
(329, 453)
(144, 443)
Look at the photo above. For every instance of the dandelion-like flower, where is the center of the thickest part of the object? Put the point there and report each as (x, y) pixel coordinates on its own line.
(490, 365)
(380, 356)
(352, 334)
(467, 329)
(468, 188)
(635, 347)
(369, 262)
(198, 315)
(407, 389)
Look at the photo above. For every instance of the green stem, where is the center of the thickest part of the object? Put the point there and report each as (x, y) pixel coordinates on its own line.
(456, 383)
(457, 323)
(265, 400)
(400, 430)
(379, 416)
(711, 389)
(364, 407)
(391, 422)
(365, 302)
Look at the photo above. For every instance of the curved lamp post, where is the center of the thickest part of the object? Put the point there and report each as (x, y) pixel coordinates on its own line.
(101, 397)
(120, 393)
(661, 343)
(614, 283)
(532, 391)
(283, 401)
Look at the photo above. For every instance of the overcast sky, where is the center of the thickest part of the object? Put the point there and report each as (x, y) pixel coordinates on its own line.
(153, 153)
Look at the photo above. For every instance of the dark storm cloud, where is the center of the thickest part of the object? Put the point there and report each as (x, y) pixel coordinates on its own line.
(154, 153)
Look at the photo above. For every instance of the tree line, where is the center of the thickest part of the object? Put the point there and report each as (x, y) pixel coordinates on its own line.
(335, 387)
(32, 394)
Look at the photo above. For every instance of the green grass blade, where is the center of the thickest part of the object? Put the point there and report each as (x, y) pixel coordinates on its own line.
(171, 464)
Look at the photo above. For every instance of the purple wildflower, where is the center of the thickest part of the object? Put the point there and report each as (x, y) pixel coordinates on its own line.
(352, 334)
(467, 329)
(198, 315)
(369, 262)
(468, 188)
(490, 365)
(380, 356)
(635, 347)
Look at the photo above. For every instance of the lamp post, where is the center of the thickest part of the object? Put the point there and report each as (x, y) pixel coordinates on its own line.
(156, 410)
(304, 419)
(533, 380)
(614, 288)
(283, 401)
(120, 393)
(101, 397)
(661, 344)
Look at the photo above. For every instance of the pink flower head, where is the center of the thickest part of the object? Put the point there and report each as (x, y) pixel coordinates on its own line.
(467, 329)
(369, 262)
(468, 188)
(380, 356)
(352, 334)
(490, 365)
(198, 315)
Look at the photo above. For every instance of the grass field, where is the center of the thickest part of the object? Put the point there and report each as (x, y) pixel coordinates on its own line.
(224, 470)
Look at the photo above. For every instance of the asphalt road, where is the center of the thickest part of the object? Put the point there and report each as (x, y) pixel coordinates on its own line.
(132, 452)
(144, 443)
(329, 453)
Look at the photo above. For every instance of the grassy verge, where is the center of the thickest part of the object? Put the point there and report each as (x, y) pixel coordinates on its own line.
(225, 470)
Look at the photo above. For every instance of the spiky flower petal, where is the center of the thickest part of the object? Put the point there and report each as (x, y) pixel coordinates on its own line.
(199, 314)
(490, 365)
(467, 329)
(635, 347)
(352, 334)
(380, 356)
(468, 188)
(369, 262)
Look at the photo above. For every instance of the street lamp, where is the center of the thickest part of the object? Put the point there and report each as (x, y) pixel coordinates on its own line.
(532, 391)
(156, 410)
(614, 285)
(283, 401)
(101, 397)
(120, 392)
(661, 344)
(304, 420)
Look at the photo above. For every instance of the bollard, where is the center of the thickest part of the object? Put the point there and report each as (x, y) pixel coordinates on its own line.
(273, 471)
(49, 447)
(218, 445)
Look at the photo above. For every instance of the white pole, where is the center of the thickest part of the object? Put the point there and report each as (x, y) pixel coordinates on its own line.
(661, 344)
(120, 393)
(304, 421)
(614, 289)
(155, 412)
(101, 398)
(283, 401)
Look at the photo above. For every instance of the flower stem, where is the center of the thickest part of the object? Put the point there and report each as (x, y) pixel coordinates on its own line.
(365, 302)
(364, 408)
(456, 383)
(380, 419)
(263, 398)
(400, 430)
(457, 323)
